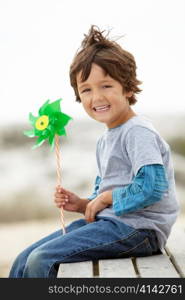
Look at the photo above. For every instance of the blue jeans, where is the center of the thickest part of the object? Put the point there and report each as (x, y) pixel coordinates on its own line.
(104, 238)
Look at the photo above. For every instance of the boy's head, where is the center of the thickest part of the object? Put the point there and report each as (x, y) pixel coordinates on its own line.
(111, 57)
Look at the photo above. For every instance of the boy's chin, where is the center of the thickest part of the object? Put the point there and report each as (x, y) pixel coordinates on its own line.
(100, 119)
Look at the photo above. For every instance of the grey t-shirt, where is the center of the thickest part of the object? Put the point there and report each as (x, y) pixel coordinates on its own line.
(121, 152)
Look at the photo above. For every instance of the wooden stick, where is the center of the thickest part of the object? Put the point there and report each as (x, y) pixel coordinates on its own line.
(59, 177)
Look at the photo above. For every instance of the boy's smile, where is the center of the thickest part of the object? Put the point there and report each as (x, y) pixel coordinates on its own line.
(103, 98)
(101, 108)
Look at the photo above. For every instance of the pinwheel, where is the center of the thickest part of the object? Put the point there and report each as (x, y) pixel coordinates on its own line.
(49, 125)
(50, 122)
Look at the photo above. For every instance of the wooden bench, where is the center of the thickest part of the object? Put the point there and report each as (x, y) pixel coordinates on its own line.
(170, 264)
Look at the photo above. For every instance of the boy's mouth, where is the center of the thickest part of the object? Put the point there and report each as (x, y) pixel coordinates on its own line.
(101, 108)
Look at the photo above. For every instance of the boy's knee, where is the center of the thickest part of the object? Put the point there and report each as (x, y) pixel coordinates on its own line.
(35, 257)
(34, 263)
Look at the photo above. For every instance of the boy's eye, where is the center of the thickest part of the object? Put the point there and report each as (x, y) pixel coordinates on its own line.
(85, 90)
(88, 89)
(107, 86)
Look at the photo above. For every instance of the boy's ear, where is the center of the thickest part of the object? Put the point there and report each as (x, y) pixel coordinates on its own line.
(129, 94)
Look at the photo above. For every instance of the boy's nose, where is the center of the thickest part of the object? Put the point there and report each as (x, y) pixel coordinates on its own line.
(97, 96)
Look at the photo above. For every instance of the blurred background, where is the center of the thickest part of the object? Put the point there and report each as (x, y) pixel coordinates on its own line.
(38, 40)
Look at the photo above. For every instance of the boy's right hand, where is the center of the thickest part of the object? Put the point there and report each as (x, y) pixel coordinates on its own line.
(64, 198)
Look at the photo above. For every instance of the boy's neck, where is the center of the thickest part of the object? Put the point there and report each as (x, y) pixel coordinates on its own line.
(130, 114)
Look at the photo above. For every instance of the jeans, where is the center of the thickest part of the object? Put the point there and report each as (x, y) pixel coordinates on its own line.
(104, 238)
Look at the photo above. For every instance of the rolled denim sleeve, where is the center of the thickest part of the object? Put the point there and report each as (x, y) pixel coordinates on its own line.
(148, 187)
(96, 188)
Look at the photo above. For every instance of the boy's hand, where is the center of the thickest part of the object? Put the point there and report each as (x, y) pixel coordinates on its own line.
(64, 198)
(97, 204)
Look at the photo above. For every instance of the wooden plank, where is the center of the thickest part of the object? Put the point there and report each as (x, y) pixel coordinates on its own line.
(156, 266)
(176, 249)
(119, 267)
(76, 270)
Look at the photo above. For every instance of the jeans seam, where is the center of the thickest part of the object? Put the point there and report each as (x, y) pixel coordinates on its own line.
(145, 241)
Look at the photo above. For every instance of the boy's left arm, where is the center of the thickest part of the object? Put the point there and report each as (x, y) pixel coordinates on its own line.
(148, 187)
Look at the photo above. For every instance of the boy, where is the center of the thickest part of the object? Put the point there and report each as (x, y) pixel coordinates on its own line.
(134, 205)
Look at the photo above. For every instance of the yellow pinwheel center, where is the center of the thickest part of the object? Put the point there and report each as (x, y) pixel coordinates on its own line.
(42, 123)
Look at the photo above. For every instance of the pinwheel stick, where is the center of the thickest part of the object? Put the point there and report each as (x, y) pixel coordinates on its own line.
(59, 178)
(49, 124)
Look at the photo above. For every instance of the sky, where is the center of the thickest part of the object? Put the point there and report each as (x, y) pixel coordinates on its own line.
(39, 38)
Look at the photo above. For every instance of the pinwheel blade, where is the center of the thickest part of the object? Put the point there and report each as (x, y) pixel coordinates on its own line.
(42, 109)
(55, 106)
(39, 142)
(61, 131)
(29, 133)
(32, 119)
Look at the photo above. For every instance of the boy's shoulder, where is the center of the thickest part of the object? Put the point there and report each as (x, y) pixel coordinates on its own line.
(139, 122)
(136, 126)
(140, 128)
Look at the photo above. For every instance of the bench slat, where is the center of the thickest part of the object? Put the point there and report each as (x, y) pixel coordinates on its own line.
(118, 267)
(156, 266)
(176, 249)
(76, 270)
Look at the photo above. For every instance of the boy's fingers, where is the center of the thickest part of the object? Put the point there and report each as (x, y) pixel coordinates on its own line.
(91, 217)
(59, 195)
(88, 215)
(60, 203)
(57, 199)
(62, 190)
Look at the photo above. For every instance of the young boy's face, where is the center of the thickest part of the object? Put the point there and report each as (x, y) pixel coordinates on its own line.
(103, 98)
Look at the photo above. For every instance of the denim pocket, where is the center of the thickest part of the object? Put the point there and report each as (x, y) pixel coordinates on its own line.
(142, 248)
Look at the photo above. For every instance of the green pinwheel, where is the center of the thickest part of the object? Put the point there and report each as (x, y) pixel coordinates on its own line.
(50, 122)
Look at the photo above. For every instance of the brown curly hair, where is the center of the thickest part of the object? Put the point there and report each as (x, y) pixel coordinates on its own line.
(110, 56)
